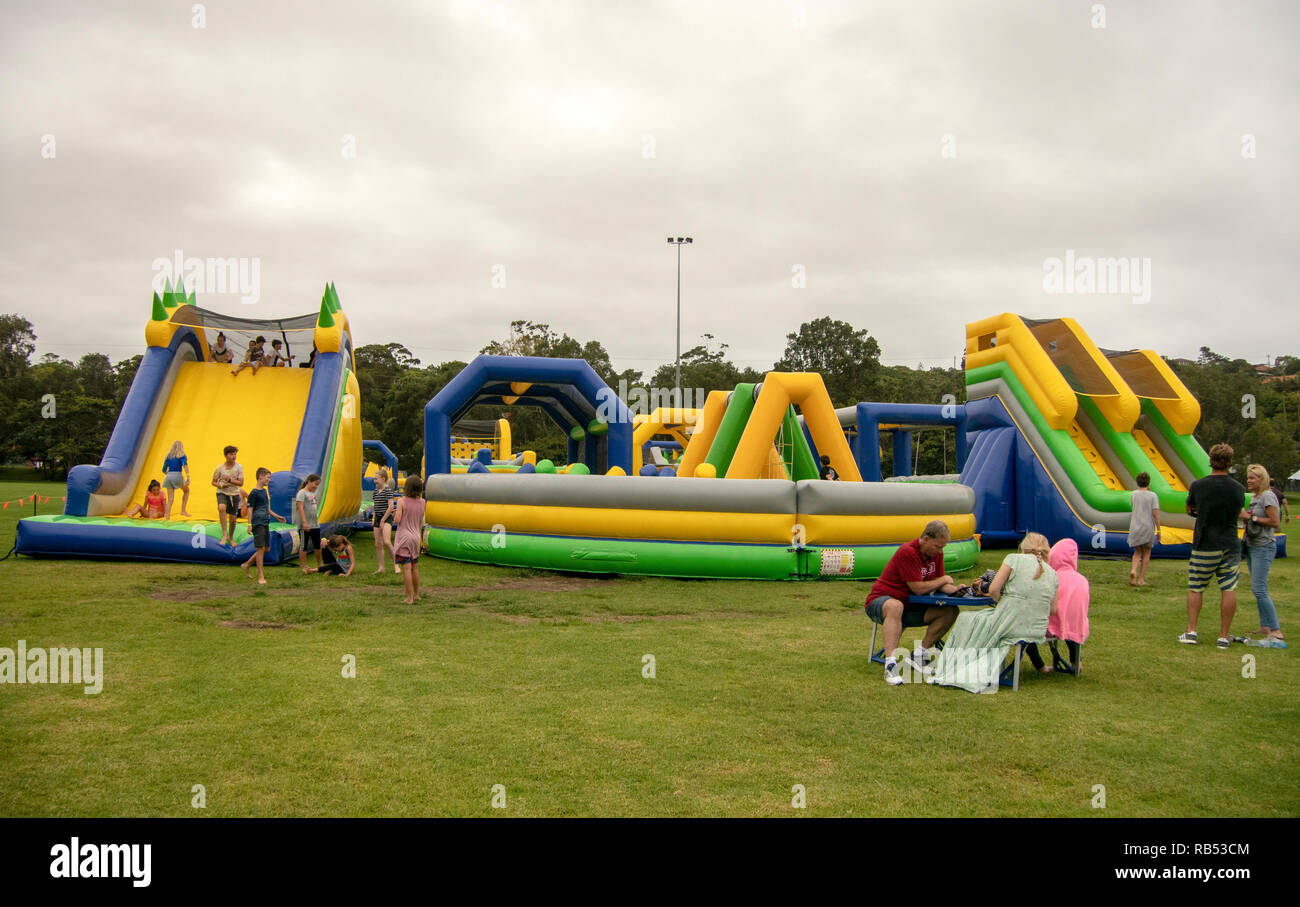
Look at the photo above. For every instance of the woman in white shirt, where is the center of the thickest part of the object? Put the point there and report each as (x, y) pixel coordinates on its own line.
(1261, 519)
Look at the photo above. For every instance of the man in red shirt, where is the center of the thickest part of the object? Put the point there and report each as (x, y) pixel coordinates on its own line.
(915, 569)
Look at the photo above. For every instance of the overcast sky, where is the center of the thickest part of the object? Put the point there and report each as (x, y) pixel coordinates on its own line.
(560, 143)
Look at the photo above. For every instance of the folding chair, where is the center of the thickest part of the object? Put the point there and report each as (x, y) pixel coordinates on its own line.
(1059, 662)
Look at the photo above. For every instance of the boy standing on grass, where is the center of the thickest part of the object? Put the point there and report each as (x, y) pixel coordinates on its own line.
(305, 517)
(259, 522)
(1215, 501)
(228, 479)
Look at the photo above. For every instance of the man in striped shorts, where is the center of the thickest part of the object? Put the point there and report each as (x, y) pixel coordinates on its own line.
(1215, 501)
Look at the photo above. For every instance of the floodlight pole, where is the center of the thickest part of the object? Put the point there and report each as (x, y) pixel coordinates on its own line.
(679, 242)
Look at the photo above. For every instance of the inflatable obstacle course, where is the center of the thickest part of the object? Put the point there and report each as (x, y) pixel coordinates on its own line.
(747, 504)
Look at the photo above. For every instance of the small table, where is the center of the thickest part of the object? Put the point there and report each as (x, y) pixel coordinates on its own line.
(957, 601)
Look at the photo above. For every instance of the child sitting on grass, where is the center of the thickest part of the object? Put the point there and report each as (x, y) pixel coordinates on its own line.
(339, 557)
(259, 523)
(154, 503)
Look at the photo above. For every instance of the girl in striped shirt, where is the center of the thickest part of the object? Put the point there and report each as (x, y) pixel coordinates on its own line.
(383, 520)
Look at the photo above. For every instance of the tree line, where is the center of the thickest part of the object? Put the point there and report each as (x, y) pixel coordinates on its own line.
(60, 413)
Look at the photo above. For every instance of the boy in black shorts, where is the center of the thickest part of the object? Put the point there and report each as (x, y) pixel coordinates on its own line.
(228, 479)
(259, 522)
(1215, 501)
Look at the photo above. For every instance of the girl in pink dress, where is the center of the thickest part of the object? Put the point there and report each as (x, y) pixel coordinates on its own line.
(1070, 622)
(406, 543)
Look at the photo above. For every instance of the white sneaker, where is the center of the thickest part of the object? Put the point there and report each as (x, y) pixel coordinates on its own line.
(921, 661)
(892, 677)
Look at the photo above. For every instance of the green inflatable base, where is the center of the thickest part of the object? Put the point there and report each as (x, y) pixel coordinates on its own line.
(686, 560)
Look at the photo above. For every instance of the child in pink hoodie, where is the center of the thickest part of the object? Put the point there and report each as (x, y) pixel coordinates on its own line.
(1070, 622)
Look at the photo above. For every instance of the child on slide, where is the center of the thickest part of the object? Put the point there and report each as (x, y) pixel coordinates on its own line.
(254, 356)
(154, 504)
(176, 474)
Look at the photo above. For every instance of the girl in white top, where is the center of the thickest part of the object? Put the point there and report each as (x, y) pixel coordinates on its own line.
(1143, 529)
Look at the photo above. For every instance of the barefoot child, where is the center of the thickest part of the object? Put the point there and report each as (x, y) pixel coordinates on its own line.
(382, 524)
(259, 522)
(1143, 529)
(255, 356)
(406, 548)
(339, 556)
(154, 503)
(228, 479)
(176, 474)
(305, 517)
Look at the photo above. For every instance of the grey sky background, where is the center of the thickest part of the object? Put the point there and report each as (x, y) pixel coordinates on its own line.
(513, 134)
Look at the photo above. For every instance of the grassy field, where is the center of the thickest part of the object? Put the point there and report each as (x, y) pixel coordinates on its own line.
(535, 682)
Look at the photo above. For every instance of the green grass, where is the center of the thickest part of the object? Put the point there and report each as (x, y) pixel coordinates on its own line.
(534, 681)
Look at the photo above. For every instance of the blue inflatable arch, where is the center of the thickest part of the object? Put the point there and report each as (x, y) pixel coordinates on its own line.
(568, 390)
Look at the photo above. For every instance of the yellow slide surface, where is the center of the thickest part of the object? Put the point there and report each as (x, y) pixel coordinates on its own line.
(207, 409)
(1158, 460)
(1094, 457)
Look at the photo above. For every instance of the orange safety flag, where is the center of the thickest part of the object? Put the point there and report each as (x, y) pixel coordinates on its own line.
(6, 506)
(33, 497)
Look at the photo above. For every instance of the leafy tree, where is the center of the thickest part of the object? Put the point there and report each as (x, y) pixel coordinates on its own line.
(76, 433)
(704, 368)
(17, 343)
(402, 425)
(123, 375)
(1259, 420)
(1266, 443)
(847, 359)
(95, 376)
